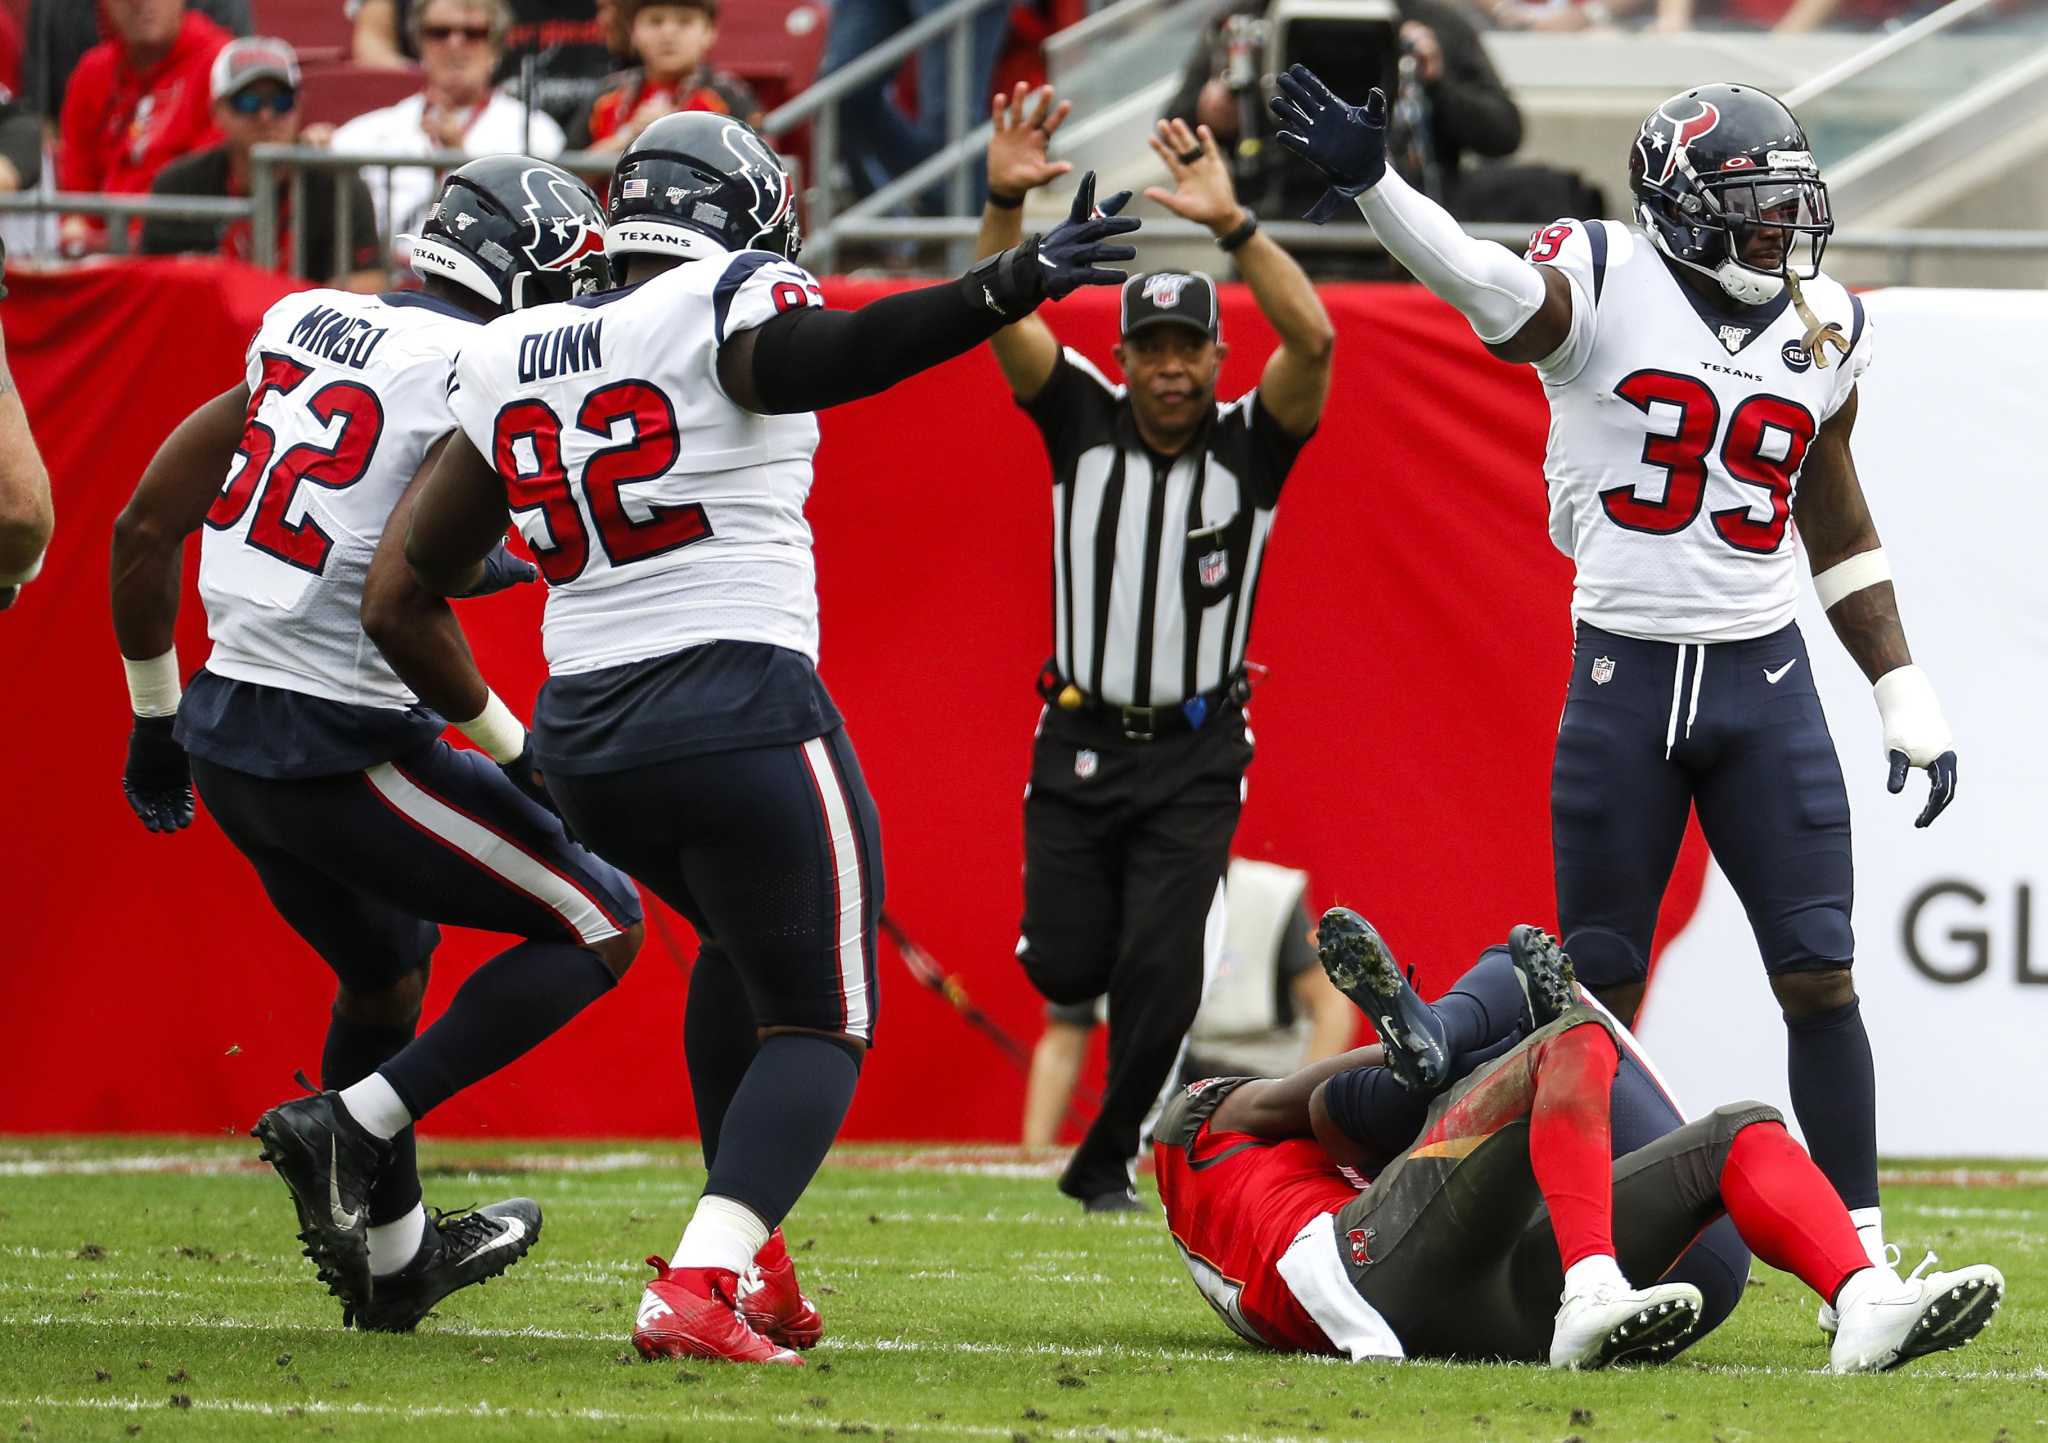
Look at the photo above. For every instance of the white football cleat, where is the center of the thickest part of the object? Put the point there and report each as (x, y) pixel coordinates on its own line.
(1619, 1325)
(1884, 1320)
(1827, 1318)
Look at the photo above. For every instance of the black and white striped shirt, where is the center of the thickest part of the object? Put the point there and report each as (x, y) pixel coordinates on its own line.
(1155, 559)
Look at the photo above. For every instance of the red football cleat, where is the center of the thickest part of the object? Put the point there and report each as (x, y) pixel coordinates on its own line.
(690, 1313)
(773, 1301)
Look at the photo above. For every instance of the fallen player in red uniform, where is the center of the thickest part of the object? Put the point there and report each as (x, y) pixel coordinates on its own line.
(1508, 1200)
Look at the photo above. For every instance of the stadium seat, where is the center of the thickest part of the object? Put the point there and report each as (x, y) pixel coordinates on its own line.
(333, 91)
(774, 45)
(319, 29)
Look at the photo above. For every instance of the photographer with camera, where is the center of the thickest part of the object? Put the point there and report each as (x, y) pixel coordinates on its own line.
(1448, 100)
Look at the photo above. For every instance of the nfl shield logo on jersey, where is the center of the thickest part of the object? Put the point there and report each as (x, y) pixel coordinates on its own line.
(1733, 337)
(1603, 670)
(1213, 567)
(1085, 763)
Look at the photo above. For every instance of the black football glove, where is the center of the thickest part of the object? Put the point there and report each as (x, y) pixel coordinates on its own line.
(1347, 143)
(1941, 776)
(524, 773)
(502, 572)
(158, 778)
(1055, 265)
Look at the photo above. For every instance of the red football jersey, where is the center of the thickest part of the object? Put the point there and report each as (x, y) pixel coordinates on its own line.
(1234, 1203)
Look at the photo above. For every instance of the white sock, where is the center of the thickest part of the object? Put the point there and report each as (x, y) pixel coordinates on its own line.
(1870, 1229)
(1589, 1275)
(722, 1234)
(393, 1245)
(374, 1104)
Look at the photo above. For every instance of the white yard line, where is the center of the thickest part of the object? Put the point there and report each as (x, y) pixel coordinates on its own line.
(971, 1348)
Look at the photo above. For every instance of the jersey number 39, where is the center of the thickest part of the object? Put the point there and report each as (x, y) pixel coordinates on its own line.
(1764, 445)
(536, 478)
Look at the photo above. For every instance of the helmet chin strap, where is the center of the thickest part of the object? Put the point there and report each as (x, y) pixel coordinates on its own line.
(1737, 281)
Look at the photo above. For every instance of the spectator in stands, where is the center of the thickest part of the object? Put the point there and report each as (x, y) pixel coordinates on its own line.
(1783, 17)
(877, 139)
(672, 39)
(21, 146)
(460, 42)
(1449, 102)
(568, 41)
(61, 31)
(255, 89)
(135, 104)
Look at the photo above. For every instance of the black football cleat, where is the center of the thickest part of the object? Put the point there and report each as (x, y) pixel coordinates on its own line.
(1549, 989)
(457, 1249)
(1117, 1200)
(1360, 964)
(328, 1162)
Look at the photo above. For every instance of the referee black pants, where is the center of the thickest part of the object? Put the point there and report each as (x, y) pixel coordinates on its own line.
(1125, 844)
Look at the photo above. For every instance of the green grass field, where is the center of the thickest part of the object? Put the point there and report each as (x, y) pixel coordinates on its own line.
(152, 1289)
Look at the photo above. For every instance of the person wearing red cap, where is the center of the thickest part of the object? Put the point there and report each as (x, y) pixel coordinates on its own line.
(135, 104)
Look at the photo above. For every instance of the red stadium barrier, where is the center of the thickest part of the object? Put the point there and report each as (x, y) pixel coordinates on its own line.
(1413, 621)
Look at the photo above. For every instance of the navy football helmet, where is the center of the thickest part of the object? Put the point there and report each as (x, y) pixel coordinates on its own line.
(1725, 184)
(517, 231)
(701, 184)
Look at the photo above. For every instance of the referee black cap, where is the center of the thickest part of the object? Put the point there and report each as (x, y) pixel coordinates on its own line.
(1185, 298)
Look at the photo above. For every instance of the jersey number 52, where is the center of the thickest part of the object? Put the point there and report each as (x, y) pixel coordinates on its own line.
(537, 479)
(1764, 445)
(302, 543)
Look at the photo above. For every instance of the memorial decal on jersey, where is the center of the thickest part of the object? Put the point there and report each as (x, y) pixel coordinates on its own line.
(564, 238)
(1665, 136)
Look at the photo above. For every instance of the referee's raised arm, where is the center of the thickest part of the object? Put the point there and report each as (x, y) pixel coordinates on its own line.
(1023, 122)
(1296, 379)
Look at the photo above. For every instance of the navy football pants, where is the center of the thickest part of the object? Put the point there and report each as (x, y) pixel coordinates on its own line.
(364, 864)
(774, 854)
(1651, 730)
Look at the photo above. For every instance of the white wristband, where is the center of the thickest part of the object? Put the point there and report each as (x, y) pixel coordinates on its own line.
(153, 688)
(501, 734)
(23, 578)
(1864, 569)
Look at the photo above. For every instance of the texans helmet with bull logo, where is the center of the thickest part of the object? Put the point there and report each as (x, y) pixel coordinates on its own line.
(1725, 184)
(699, 184)
(518, 232)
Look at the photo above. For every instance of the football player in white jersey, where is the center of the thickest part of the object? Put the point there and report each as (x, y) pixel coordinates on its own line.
(1701, 372)
(322, 766)
(654, 446)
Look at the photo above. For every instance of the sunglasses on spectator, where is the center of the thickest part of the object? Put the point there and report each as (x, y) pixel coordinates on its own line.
(248, 102)
(475, 34)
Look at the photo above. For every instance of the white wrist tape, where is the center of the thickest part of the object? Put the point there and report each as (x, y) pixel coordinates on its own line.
(153, 688)
(1864, 569)
(1912, 717)
(1495, 289)
(23, 578)
(501, 734)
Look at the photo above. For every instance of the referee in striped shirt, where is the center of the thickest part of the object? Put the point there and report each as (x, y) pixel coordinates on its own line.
(1163, 498)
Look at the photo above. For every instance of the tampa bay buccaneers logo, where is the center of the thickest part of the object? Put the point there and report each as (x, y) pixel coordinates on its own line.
(560, 231)
(1665, 136)
(773, 191)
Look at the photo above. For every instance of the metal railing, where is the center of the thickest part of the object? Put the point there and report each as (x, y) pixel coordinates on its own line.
(819, 106)
(1904, 249)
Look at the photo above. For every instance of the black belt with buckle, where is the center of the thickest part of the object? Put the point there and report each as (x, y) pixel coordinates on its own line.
(1143, 723)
